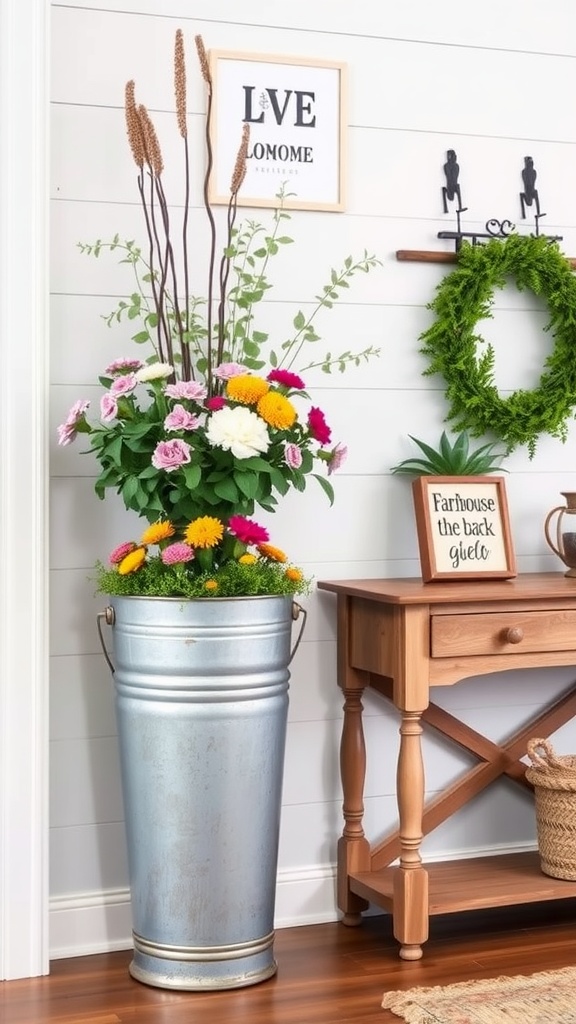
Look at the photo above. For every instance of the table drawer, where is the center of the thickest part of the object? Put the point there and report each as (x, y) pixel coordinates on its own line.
(502, 633)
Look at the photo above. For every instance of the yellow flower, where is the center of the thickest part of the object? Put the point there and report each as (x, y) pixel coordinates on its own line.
(133, 561)
(276, 410)
(292, 574)
(157, 532)
(211, 585)
(247, 559)
(204, 532)
(269, 551)
(246, 389)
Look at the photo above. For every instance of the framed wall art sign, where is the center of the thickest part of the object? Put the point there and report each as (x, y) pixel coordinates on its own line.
(463, 527)
(295, 109)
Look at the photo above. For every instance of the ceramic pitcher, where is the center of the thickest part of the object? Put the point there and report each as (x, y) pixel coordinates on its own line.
(564, 534)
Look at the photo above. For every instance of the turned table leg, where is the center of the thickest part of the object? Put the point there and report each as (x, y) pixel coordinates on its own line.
(410, 879)
(353, 847)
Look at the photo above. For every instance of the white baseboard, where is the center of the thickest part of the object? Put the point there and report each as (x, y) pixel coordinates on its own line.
(99, 922)
(90, 922)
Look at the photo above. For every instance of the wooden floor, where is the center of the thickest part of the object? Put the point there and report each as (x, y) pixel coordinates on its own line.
(327, 974)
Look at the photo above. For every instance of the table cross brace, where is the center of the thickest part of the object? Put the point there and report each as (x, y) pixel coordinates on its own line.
(495, 760)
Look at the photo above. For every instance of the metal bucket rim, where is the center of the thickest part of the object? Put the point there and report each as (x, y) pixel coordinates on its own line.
(193, 600)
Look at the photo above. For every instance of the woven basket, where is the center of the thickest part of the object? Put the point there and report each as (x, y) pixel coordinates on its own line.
(554, 779)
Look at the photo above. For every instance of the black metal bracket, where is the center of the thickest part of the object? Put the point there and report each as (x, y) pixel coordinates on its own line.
(494, 228)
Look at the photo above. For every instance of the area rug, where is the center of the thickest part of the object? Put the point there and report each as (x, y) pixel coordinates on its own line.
(545, 998)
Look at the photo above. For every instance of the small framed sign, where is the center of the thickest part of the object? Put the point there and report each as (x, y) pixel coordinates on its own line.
(463, 528)
(295, 109)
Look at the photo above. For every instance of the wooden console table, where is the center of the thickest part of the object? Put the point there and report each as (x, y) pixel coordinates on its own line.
(400, 637)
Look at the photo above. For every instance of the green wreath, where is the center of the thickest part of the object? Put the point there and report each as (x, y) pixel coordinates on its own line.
(462, 299)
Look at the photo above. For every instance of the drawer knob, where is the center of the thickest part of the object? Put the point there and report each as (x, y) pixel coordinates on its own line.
(513, 635)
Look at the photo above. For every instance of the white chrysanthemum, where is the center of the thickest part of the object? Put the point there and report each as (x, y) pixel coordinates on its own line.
(154, 371)
(238, 430)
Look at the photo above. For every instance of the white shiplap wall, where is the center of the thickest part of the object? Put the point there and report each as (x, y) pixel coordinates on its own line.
(423, 78)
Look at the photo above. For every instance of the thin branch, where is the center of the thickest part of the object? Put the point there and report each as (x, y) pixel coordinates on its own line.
(180, 94)
(205, 69)
(238, 175)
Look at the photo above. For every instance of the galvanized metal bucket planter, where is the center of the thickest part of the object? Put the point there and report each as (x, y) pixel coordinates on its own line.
(202, 701)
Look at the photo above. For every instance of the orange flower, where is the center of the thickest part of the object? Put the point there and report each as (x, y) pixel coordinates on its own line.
(269, 551)
(211, 585)
(246, 389)
(294, 575)
(157, 532)
(276, 410)
(205, 532)
(133, 561)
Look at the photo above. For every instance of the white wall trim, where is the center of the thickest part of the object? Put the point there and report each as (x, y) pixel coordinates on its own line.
(23, 488)
(100, 922)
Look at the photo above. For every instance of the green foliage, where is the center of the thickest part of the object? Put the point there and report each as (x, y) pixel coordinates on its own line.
(451, 459)
(458, 353)
(213, 481)
(233, 579)
(250, 249)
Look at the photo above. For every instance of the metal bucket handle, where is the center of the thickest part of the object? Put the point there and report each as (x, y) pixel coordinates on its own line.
(109, 617)
(297, 609)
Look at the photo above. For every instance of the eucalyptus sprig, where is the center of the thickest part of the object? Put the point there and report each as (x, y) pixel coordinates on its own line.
(250, 249)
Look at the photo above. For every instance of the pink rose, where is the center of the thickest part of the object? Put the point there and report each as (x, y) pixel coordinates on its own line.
(170, 455)
(228, 370)
(190, 389)
(337, 458)
(123, 366)
(108, 408)
(123, 385)
(67, 431)
(293, 456)
(181, 419)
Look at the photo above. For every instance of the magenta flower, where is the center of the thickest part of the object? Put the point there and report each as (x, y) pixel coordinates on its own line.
(181, 419)
(318, 427)
(247, 530)
(124, 366)
(286, 379)
(215, 403)
(178, 552)
(228, 370)
(119, 553)
(186, 389)
(123, 385)
(337, 458)
(67, 431)
(170, 455)
(108, 408)
(293, 456)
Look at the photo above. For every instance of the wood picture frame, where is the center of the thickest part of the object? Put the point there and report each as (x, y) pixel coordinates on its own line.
(295, 107)
(463, 528)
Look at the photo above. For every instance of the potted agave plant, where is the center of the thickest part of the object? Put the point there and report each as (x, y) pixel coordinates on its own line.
(440, 474)
(211, 423)
(451, 459)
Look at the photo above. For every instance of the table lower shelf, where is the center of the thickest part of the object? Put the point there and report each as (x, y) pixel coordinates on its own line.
(471, 884)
